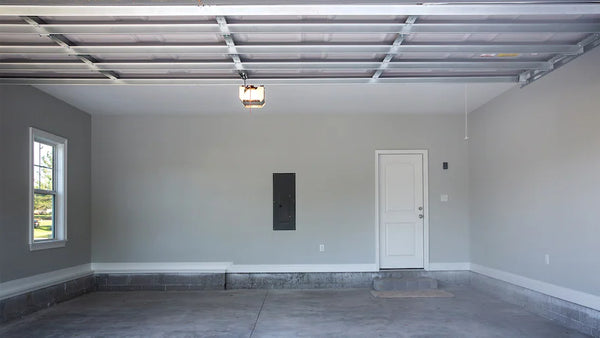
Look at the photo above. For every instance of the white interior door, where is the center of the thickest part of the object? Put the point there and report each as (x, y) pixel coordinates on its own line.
(401, 211)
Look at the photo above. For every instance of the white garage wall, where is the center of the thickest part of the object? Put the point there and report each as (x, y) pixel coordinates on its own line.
(535, 179)
(198, 188)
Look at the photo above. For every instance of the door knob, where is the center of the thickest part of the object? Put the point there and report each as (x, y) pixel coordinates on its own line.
(420, 208)
(420, 215)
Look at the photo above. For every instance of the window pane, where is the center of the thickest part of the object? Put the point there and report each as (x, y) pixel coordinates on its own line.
(46, 179)
(46, 155)
(36, 177)
(43, 164)
(36, 153)
(43, 217)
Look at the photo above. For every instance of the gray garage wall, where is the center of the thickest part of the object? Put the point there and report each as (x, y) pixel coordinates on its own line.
(22, 107)
(181, 188)
(535, 179)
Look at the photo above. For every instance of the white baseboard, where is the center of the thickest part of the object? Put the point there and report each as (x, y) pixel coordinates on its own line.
(223, 267)
(19, 286)
(454, 266)
(162, 267)
(302, 268)
(570, 295)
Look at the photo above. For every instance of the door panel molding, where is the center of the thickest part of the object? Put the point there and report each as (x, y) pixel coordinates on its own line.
(425, 156)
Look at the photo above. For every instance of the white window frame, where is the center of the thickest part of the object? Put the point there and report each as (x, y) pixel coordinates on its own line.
(60, 181)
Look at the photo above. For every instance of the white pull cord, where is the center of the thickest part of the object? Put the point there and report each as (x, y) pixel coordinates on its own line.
(466, 115)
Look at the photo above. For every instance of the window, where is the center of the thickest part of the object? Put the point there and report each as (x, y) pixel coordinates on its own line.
(47, 190)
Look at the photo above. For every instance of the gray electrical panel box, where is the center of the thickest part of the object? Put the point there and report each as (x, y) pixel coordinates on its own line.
(284, 201)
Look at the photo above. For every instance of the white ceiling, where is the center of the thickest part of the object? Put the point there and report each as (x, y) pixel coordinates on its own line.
(423, 98)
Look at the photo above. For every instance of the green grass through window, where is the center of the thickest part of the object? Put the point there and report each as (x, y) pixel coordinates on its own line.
(44, 231)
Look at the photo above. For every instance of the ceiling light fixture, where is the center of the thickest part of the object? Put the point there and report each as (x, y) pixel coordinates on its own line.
(252, 96)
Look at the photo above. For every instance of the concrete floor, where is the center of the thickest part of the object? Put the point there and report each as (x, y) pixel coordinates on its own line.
(282, 313)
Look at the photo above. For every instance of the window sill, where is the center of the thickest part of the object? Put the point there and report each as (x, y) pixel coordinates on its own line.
(41, 245)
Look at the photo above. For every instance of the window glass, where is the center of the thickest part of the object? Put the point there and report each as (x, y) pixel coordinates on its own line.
(44, 196)
(43, 216)
(45, 180)
(43, 166)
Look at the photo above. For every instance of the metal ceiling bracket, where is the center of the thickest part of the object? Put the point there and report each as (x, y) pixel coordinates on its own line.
(66, 46)
(232, 49)
(393, 51)
(590, 42)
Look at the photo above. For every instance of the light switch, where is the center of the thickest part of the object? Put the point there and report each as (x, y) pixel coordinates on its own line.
(444, 198)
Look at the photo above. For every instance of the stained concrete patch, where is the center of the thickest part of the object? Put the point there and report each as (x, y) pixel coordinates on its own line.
(337, 280)
(412, 294)
(159, 281)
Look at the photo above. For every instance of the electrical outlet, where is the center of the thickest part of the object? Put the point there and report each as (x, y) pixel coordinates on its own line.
(547, 259)
(321, 247)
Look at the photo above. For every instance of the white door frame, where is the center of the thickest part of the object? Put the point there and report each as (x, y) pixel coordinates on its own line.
(425, 201)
